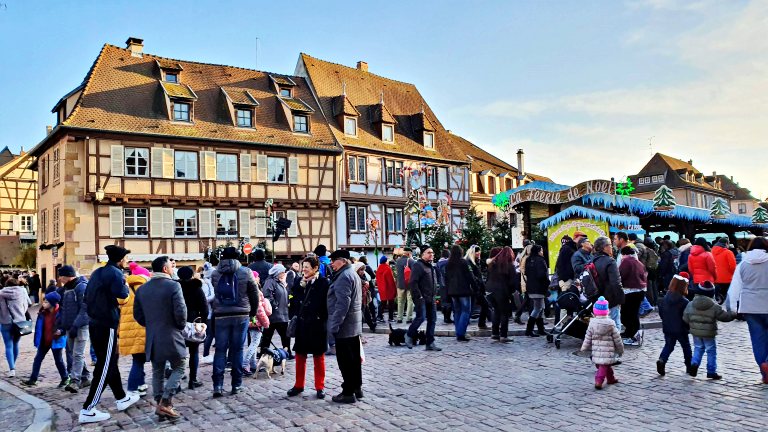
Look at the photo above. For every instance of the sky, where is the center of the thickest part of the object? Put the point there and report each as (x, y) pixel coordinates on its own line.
(589, 89)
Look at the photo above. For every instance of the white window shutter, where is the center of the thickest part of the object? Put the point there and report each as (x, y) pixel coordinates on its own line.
(157, 162)
(156, 222)
(245, 223)
(207, 165)
(168, 164)
(117, 159)
(203, 171)
(293, 215)
(245, 169)
(16, 223)
(116, 222)
(207, 222)
(261, 168)
(261, 223)
(34, 223)
(293, 170)
(168, 223)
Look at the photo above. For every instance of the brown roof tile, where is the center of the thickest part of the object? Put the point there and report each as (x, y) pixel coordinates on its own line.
(168, 64)
(122, 94)
(382, 115)
(342, 105)
(296, 104)
(240, 96)
(175, 90)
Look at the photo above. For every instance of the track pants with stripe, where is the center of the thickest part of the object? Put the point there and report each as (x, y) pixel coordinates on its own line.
(106, 373)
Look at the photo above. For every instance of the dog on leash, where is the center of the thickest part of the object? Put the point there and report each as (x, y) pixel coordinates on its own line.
(270, 359)
(397, 337)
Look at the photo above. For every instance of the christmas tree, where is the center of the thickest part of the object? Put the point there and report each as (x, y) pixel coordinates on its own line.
(760, 215)
(475, 231)
(663, 199)
(438, 238)
(501, 232)
(719, 209)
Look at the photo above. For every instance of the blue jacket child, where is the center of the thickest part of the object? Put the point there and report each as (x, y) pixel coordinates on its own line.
(49, 336)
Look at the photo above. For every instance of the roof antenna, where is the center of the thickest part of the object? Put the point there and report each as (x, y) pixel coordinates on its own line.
(650, 144)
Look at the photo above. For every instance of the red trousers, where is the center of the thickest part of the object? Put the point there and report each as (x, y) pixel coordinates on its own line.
(301, 370)
(603, 372)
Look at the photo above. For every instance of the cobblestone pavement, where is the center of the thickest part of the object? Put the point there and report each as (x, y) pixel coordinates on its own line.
(525, 385)
(17, 415)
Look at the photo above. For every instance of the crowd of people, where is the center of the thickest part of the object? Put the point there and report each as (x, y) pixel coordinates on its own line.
(318, 306)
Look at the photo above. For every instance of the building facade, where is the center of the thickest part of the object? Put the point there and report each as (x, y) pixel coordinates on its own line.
(18, 205)
(742, 201)
(171, 157)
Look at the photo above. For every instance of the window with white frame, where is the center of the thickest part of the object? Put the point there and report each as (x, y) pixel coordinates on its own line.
(56, 223)
(135, 223)
(181, 111)
(26, 223)
(641, 181)
(185, 165)
(393, 169)
(226, 167)
(429, 140)
(276, 169)
(742, 210)
(136, 162)
(300, 123)
(394, 220)
(350, 126)
(226, 223)
(356, 217)
(432, 177)
(388, 133)
(244, 117)
(358, 168)
(185, 223)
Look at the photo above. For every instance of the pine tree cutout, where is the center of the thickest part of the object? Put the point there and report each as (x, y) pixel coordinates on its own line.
(663, 199)
(760, 216)
(719, 209)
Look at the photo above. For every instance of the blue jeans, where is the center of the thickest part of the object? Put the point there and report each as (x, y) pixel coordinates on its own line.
(710, 346)
(616, 316)
(11, 345)
(57, 358)
(462, 307)
(670, 340)
(230, 337)
(758, 332)
(424, 310)
(136, 375)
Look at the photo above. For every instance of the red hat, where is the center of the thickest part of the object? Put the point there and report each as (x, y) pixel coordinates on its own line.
(579, 234)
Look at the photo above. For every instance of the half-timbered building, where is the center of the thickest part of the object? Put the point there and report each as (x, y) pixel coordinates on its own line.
(173, 157)
(18, 205)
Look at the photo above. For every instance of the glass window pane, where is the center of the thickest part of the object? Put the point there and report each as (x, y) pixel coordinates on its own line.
(226, 167)
(350, 126)
(226, 222)
(362, 168)
(352, 164)
(300, 123)
(361, 219)
(276, 170)
(429, 140)
(387, 133)
(285, 92)
(171, 77)
(352, 216)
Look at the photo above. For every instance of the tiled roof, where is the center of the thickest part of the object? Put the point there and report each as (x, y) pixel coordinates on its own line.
(296, 104)
(282, 80)
(677, 164)
(739, 192)
(484, 161)
(423, 123)
(366, 90)
(168, 64)
(342, 105)
(175, 90)
(122, 95)
(382, 115)
(240, 96)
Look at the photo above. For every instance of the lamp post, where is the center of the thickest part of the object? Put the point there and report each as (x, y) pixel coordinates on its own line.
(99, 195)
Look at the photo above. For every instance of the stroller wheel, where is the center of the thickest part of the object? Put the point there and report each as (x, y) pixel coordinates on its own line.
(550, 338)
(557, 343)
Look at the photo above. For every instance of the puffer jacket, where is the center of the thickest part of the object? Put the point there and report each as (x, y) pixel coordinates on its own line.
(725, 262)
(277, 295)
(604, 340)
(73, 309)
(671, 309)
(537, 276)
(702, 315)
(56, 342)
(701, 265)
(749, 287)
(132, 337)
(248, 291)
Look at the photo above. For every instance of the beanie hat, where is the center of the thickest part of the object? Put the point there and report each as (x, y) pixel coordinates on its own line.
(230, 252)
(258, 254)
(186, 273)
(706, 288)
(53, 298)
(67, 271)
(321, 250)
(276, 269)
(383, 260)
(138, 270)
(116, 253)
(601, 307)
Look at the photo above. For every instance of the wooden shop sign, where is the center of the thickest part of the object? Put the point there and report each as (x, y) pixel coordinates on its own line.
(561, 197)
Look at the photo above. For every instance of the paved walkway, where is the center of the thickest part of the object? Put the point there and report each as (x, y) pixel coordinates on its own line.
(17, 414)
(478, 386)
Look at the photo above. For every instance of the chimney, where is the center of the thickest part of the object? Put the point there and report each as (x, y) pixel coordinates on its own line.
(48, 130)
(690, 161)
(520, 163)
(363, 66)
(135, 46)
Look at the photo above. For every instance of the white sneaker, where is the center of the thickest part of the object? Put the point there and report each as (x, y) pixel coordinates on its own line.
(130, 399)
(12, 373)
(93, 416)
(207, 359)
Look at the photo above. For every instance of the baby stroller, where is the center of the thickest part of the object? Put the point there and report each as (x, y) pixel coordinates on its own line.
(577, 316)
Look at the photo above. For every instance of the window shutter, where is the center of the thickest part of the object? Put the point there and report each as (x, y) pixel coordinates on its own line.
(117, 156)
(207, 165)
(261, 168)
(116, 222)
(168, 223)
(293, 170)
(168, 164)
(245, 223)
(34, 223)
(157, 162)
(16, 223)
(207, 221)
(156, 222)
(261, 223)
(245, 170)
(293, 215)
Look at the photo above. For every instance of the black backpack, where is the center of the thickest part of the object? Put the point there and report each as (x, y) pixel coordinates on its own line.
(226, 290)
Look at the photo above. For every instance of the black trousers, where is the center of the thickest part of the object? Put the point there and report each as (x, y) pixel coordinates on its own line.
(104, 343)
(501, 311)
(348, 357)
(629, 313)
(282, 330)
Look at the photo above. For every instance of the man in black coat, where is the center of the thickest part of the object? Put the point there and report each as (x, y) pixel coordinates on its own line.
(259, 265)
(423, 286)
(563, 267)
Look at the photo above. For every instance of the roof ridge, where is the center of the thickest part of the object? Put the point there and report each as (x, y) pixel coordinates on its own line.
(355, 69)
(87, 81)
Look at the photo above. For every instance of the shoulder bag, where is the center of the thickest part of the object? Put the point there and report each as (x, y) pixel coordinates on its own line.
(21, 327)
(194, 331)
(294, 323)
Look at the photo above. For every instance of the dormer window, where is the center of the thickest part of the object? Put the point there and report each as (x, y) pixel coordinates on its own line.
(300, 123)
(285, 92)
(181, 111)
(172, 77)
(429, 140)
(350, 126)
(388, 133)
(245, 117)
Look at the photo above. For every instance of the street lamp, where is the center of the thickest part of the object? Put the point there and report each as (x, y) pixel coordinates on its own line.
(99, 194)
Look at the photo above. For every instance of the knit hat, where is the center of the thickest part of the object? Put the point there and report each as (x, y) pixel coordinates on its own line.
(701, 241)
(321, 250)
(138, 270)
(601, 307)
(357, 266)
(276, 269)
(230, 253)
(186, 273)
(116, 253)
(705, 288)
(53, 298)
(383, 260)
(67, 271)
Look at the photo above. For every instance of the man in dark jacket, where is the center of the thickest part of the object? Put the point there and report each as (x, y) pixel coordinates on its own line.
(403, 293)
(35, 285)
(581, 257)
(345, 324)
(423, 286)
(259, 265)
(563, 267)
(107, 284)
(609, 278)
(236, 299)
(162, 301)
(74, 321)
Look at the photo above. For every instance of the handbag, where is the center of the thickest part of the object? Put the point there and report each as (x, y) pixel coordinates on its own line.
(21, 327)
(294, 322)
(194, 331)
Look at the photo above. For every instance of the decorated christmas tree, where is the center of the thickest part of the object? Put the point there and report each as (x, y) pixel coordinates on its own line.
(663, 199)
(719, 209)
(475, 231)
(501, 232)
(760, 215)
(438, 238)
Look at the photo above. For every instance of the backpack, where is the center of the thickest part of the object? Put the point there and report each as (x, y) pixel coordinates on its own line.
(652, 262)
(407, 272)
(590, 280)
(226, 290)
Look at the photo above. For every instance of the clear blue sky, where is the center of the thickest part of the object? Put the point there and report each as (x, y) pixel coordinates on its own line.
(580, 85)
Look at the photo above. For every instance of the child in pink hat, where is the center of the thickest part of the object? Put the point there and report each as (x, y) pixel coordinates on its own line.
(604, 340)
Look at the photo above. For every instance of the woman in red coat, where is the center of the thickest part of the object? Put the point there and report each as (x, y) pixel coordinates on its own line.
(385, 282)
(701, 263)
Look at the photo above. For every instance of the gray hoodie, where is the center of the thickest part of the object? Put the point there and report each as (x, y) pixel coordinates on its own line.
(749, 287)
(14, 302)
